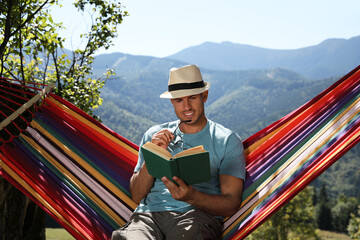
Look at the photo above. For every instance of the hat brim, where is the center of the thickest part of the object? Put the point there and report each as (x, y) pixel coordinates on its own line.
(185, 92)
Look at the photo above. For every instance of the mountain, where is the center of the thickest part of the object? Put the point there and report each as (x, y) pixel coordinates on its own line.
(243, 100)
(329, 58)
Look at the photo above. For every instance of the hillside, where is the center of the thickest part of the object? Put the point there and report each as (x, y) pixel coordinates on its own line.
(243, 100)
(329, 58)
(264, 95)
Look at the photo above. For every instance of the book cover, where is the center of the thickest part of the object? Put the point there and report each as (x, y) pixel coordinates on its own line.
(191, 165)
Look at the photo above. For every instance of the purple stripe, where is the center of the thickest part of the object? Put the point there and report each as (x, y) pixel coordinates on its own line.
(95, 155)
(296, 137)
(56, 186)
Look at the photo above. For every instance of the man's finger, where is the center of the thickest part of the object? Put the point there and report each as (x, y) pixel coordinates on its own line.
(180, 182)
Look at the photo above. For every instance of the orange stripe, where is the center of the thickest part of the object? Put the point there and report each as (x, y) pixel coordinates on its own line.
(294, 123)
(301, 182)
(109, 141)
(86, 166)
(42, 197)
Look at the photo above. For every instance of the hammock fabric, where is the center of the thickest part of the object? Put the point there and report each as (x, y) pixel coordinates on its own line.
(78, 170)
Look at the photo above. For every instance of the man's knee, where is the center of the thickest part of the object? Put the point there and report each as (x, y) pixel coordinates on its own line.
(196, 225)
(140, 226)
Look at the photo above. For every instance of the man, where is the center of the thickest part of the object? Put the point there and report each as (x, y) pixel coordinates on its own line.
(174, 210)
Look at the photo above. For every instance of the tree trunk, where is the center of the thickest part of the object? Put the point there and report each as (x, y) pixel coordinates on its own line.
(20, 218)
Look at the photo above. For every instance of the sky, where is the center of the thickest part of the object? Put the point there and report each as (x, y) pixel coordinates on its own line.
(160, 28)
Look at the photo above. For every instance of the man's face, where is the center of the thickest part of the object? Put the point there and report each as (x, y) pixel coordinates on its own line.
(190, 108)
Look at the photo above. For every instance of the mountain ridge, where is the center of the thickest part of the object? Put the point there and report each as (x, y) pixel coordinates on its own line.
(327, 59)
(245, 101)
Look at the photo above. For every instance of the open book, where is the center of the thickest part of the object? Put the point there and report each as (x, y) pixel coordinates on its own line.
(191, 165)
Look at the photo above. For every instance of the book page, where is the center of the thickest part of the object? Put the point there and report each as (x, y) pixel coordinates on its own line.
(190, 151)
(157, 150)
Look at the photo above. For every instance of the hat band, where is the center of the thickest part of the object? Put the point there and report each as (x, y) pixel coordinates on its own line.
(183, 86)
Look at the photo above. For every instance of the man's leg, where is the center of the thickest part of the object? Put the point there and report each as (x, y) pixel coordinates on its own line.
(194, 224)
(140, 226)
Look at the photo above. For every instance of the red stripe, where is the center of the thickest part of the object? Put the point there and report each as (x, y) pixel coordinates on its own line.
(13, 182)
(92, 137)
(262, 133)
(305, 178)
(303, 118)
(92, 120)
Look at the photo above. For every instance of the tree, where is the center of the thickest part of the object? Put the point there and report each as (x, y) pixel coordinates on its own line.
(354, 225)
(32, 50)
(323, 211)
(341, 212)
(293, 221)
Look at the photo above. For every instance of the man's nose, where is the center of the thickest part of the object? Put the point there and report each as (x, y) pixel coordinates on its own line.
(186, 105)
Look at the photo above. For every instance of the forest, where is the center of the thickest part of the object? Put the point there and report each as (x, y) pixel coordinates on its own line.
(124, 95)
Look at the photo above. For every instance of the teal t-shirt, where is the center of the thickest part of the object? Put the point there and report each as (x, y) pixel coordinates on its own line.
(226, 157)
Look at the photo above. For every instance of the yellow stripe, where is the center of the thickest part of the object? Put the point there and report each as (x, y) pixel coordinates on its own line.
(93, 126)
(37, 196)
(87, 166)
(315, 137)
(75, 181)
(258, 143)
(258, 219)
(289, 161)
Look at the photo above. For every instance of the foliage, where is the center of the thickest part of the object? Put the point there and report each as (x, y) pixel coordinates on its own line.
(343, 176)
(341, 212)
(33, 50)
(354, 225)
(132, 104)
(293, 221)
(234, 101)
(323, 211)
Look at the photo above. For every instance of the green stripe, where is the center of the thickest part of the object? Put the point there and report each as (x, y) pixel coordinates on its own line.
(78, 152)
(73, 187)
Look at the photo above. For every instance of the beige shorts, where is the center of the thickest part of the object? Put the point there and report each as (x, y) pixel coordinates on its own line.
(194, 224)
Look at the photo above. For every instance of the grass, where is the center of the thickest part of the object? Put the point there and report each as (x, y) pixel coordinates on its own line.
(326, 235)
(57, 234)
(62, 234)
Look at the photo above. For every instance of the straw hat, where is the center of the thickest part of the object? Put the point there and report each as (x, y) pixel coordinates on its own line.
(185, 81)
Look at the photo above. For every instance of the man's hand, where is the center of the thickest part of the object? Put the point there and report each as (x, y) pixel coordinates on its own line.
(162, 138)
(224, 204)
(180, 192)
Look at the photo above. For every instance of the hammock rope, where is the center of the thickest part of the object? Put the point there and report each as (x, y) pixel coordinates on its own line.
(78, 170)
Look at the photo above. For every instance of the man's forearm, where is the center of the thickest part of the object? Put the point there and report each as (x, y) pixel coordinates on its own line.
(141, 183)
(224, 204)
(218, 205)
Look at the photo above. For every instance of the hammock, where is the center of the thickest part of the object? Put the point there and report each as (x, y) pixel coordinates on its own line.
(78, 170)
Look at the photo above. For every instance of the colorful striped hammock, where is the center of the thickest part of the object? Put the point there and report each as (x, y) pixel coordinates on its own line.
(78, 170)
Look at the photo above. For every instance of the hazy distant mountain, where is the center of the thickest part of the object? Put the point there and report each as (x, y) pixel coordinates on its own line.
(243, 100)
(329, 58)
(264, 95)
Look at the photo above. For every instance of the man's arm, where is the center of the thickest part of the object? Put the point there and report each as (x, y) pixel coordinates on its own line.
(224, 204)
(141, 183)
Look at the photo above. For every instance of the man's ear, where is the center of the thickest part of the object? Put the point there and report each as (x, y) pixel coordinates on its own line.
(205, 95)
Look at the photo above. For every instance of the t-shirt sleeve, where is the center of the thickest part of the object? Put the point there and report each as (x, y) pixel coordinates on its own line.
(140, 161)
(146, 138)
(233, 162)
